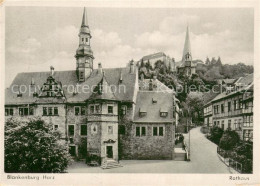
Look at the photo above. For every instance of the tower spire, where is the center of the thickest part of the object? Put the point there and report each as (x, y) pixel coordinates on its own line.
(84, 18)
(187, 48)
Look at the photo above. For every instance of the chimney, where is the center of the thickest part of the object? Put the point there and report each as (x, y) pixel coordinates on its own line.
(100, 70)
(121, 77)
(132, 66)
(52, 70)
(32, 82)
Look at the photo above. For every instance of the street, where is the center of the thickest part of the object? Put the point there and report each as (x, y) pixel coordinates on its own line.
(204, 159)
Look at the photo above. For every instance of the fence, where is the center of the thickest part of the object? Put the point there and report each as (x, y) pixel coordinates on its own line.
(235, 165)
(229, 161)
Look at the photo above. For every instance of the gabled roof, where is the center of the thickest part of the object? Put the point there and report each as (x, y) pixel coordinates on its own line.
(103, 91)
(125, 88)
(158, 86)
(144, 103)
(243, 81)
(152, 56)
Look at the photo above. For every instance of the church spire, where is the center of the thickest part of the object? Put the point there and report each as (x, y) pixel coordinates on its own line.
(84, 19)
(187, 48)
(84, 54)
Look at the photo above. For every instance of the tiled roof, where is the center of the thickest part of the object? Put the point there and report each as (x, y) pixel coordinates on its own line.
(68, 79)
(158, 86)
(228, 81)
(144, 103)
(245, 80)
(155, 55)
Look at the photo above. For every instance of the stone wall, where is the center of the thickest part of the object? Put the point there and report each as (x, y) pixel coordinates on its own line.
(149, 146)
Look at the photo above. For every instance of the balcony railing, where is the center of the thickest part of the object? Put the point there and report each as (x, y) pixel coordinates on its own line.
(248, 124)
(230, 113)
(248, 110)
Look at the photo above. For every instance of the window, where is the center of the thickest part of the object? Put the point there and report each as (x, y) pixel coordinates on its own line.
(246, 105)
(56, 112)
(222, 108)
(222, 124)
(23, 111)
(86, 40)
(137, 131)
(121, 129)
(71, 130)
(143, 131)
(163, 114)
(76, 110)
(240, 103)
(81, 75)
(92, 108)
(95, 109)
(56, 127)
(49, 111)
(98, 108)
(31, 111)
(82, 39)
(160, 131)
(235, 104)
(229, 106)
(83, 110)
(229, 123)
(110, 109)
(44, 111)
(83, 130)
(9, 112)
(155, 131)
(110, 129)
(123, 109)
(216, 109)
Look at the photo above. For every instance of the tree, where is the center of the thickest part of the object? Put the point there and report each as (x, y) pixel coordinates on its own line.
(195, 104)
(229, 140)
(142, 63)
(207, 61)
(34, 147)
(148, 66)
(216, 134)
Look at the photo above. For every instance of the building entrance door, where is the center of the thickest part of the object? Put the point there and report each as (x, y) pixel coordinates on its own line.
(109, 151)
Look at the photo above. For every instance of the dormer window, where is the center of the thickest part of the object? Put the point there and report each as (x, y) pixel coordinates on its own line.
(142, 112)
(19, 95)
(35, 94)
(154, 100)
(163, 112)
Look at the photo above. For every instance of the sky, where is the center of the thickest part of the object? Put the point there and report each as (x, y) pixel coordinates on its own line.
(38, 37)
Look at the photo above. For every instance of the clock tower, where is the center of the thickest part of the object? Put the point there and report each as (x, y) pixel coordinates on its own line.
(84, 54)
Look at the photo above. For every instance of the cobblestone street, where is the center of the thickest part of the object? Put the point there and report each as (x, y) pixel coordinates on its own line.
(204, 159)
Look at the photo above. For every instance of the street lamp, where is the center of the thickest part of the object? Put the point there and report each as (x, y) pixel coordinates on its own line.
(188, 128)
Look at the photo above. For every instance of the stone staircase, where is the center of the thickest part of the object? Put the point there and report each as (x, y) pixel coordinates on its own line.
(110, 164)
(180, 154)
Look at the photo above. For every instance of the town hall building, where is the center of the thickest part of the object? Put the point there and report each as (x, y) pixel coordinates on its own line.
(120, 117)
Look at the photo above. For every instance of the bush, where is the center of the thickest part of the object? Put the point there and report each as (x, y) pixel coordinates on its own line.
(229, 140)
(215, 134)
(34, 147)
